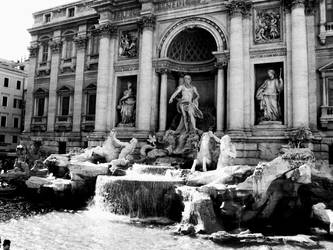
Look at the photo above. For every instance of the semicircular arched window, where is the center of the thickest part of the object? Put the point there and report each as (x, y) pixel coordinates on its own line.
(192, 45)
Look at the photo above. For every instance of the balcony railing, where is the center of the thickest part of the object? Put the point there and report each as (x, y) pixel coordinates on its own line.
(88, 123)
(63, 123)
(44, 68)
(68, 63)
(326, 115)
(329, 28)
(92, 60)
(38, 123)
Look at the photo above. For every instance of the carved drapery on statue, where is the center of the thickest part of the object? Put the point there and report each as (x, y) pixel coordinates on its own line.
(128, 44)
(267, 25)
(126, 107)
(269, 95)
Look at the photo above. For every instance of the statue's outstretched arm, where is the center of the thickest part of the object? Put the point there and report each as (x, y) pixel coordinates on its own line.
(178, 90)
(218, 140)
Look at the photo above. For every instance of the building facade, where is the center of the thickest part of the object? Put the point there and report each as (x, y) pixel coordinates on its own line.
(12, 82)
(262, 69)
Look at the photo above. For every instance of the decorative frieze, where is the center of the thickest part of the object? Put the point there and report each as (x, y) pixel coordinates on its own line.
(268, 53)
(55, 46)
(177, 4)
(126, 67)
(33, 50)
(126, 14)
(80, 42)
(267, 23)
(238, 7)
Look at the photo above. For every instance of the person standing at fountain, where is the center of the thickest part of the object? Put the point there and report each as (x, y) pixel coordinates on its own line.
(227, 151)
(187, 105)
(268, 97)
(6, 244)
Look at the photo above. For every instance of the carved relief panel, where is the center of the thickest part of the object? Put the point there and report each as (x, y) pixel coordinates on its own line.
(128, 44)
(267, 25)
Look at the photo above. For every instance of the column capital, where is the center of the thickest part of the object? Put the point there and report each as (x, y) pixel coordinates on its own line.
(33, 50)
(107, 29)
(147, 21)
(238, 7)
(81, 41)
(55, 46)
(222, 59)
(292, 4)
(162, 70)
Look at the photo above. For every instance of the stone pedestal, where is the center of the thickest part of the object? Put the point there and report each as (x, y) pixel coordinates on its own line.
(299, 57)
(146, 73)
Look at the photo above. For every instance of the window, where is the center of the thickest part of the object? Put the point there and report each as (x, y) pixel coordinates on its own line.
(14, 139)
(2, 138)
(71, 12)
(329, 10)
(17, 103)
(18, 85)
(47, 18)
(69, 48)
(6, 82)
(65, 105)
(40, 106)
(16, 122)
(4, 101)
(3, 121)
(94, 50)
(45, 52)
(91, 109)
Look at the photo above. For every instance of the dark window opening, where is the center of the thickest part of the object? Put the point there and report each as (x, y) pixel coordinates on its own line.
(18, 85)
(71, 12)
(40, 106)
(14, 139)
(2, 138)
(6, 82)
(47, 18)
(65, 106)
(16, 122)
(4, 101)
(3, 121)
(45, 53)
(91, 104)
(62, 147)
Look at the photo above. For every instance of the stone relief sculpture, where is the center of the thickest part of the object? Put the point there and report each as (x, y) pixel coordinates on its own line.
(268, 95)
(267, 25)
(127, 107)
(128, 46)
(188, 105)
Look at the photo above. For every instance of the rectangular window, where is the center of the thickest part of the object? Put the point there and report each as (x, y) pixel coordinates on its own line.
(329, 10)
(330, 92)
(2, 138)
(4, 101)
(71, 12)
(45, 54)
(47, 18)
(65, 105)
(40, 106)
(16, 122)
(3, 121)
(6, 82)
(69, 49)
(14, 139)
(18, 85)
(91, 104)
(94, 45)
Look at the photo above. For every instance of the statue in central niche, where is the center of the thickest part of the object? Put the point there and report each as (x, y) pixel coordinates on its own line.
(187, 105)
(127, 106)
(268, 96)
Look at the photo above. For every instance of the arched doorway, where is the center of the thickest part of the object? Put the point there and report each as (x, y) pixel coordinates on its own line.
(191, 50)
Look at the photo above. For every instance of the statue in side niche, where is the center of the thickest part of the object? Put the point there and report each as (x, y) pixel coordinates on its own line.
(268, 95)
(187, 106)
(127, 106)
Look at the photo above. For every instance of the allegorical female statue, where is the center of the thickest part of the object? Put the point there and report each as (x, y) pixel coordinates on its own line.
(127, 106)
(188, 105)
(268, 96)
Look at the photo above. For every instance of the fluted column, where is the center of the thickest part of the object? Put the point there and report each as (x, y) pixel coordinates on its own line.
(163, 100)
(29, 102)
(236, 86)
(55, 59)
(299, 57)
(80, 41)
(103, 77)
(146, 73)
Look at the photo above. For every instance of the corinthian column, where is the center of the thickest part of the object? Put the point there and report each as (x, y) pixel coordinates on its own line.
(163, 100)
(30, 86)
(80, 41)
(55, 59)
(236, 86)
(103, 82)
(299, 59)
(146, 73)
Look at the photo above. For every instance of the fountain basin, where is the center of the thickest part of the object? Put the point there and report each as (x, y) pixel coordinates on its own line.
(140, 196)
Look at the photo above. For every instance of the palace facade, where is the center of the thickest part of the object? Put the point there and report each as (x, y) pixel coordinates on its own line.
(261, 68)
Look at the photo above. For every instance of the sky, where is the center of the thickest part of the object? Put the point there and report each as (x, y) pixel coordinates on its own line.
(15, 19)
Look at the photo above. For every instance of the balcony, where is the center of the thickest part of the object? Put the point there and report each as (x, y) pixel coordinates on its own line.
(44, 68)
(92, 62)
(38, 124)
(68, 65)
(63, 123)
(88, 123)
(329, 29)
(326, 116)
